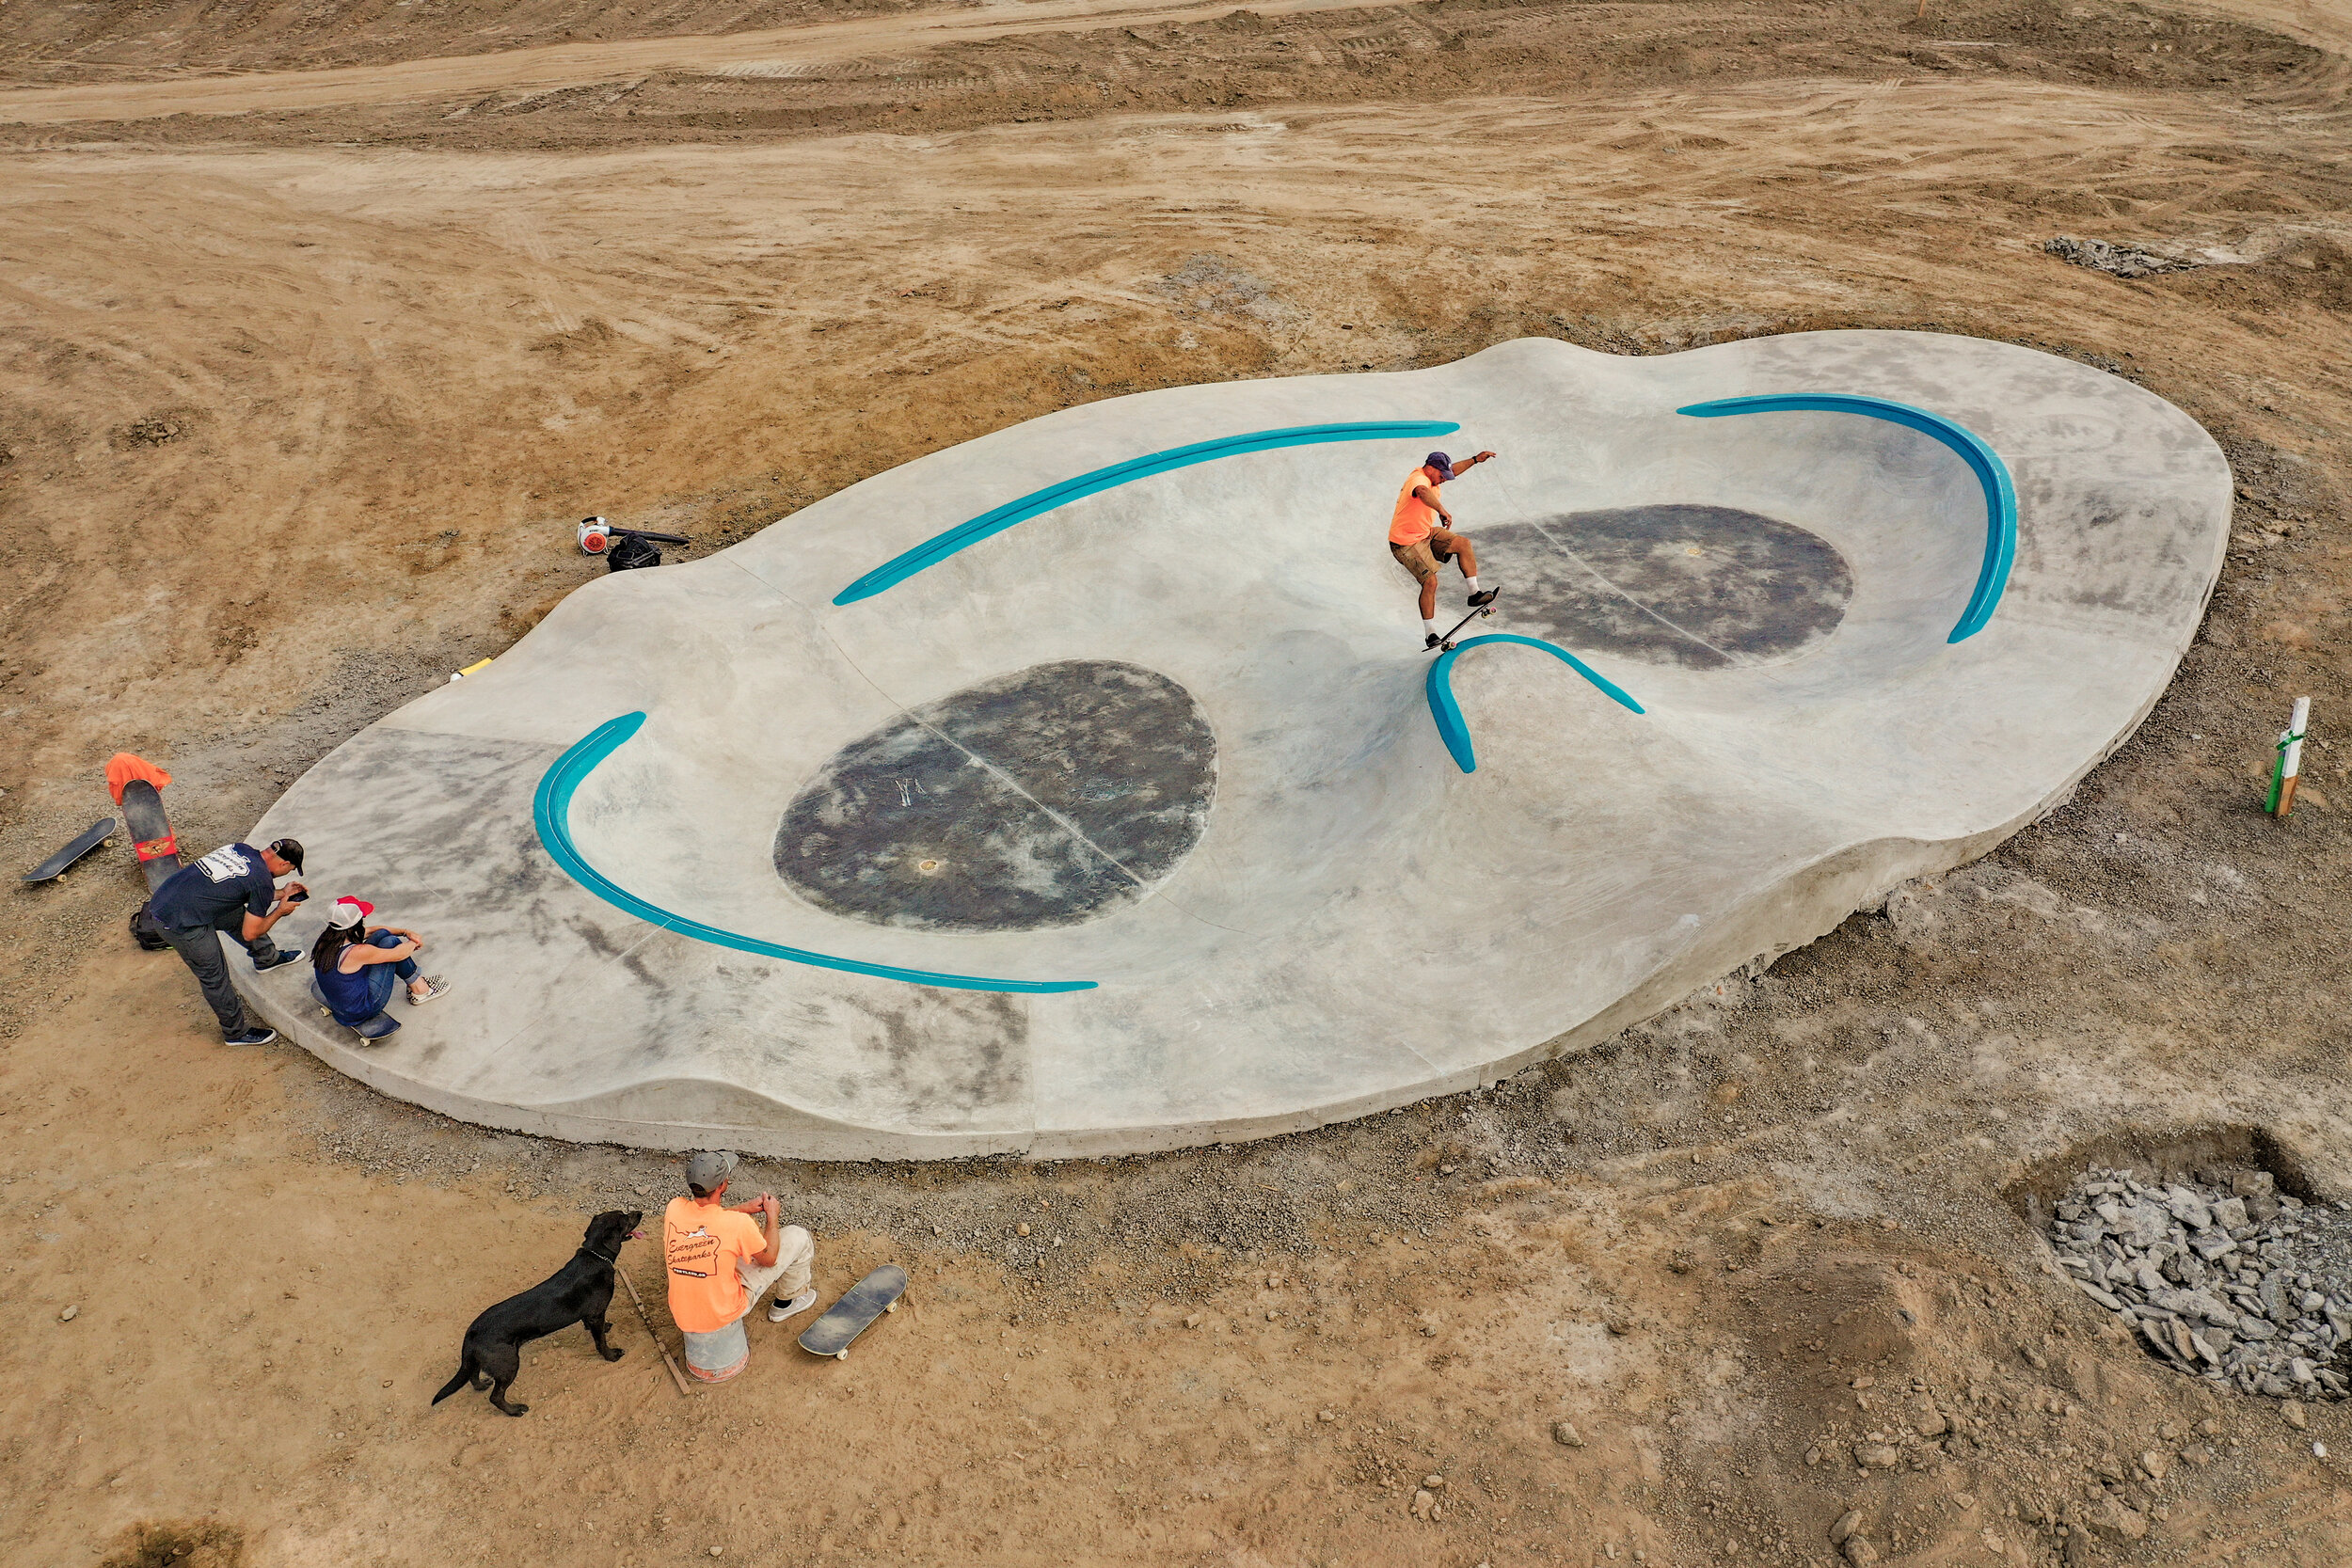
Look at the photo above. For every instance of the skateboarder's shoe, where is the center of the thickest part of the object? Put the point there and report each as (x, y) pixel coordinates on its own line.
(1484, 596)
(1432, 641)
(432, 989)
(284, 955)
(251, 1036)
(780, 1308)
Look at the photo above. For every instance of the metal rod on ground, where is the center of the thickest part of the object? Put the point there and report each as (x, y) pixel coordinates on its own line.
(2290, 763)
(654, 1334)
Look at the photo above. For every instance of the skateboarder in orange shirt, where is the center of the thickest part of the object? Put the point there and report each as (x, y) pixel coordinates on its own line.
(1420, 546)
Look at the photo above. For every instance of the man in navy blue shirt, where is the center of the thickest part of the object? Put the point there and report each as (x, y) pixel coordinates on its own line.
(233, 889)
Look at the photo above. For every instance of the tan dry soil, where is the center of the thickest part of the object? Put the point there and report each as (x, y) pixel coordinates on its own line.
(296, 409)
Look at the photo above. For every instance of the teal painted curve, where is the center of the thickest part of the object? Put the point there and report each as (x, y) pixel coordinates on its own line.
(552, 810)
(964, 535)
(1448, 713)
(2000, 494)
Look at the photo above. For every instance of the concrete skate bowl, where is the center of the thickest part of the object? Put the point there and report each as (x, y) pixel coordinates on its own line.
(1108, 802)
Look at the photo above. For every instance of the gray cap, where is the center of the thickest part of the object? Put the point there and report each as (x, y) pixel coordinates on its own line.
(708, 1168)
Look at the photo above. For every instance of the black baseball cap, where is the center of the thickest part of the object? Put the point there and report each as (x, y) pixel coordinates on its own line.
(288, 850)
(1440, 462)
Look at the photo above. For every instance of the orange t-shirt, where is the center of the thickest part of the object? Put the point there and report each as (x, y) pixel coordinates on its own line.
(1414, 520)
(700, 1244)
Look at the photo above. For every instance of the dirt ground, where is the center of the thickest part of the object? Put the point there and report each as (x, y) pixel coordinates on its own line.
(300, 396)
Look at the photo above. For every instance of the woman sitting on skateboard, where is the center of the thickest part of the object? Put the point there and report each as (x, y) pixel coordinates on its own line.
(1420, 546)
(357, 967)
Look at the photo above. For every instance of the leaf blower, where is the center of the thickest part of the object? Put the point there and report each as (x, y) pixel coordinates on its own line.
(626, 548)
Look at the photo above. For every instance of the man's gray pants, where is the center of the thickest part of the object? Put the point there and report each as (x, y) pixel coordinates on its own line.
(199, 948)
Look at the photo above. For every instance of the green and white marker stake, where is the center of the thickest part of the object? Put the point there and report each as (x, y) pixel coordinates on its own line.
(2290, 761)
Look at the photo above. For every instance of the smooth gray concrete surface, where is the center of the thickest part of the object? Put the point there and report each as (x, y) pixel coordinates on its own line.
(1304, 910)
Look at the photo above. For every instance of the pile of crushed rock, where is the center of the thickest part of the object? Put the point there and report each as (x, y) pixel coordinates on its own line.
(2123, 260)
(2237, 1283)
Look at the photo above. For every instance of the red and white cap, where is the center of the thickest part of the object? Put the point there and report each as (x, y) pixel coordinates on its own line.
(349, 912)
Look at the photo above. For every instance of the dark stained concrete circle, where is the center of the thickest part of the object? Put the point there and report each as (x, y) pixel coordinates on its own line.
(1700, 586)
(1042, 798)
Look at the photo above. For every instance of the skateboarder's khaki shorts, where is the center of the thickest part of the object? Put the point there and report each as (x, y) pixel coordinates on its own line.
(1422, 559)
(716, 1356)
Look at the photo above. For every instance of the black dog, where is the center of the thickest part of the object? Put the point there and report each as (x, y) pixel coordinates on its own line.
(577, 1293)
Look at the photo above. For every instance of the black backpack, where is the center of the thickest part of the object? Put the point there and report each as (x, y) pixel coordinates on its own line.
(144, 931)
(628, 554)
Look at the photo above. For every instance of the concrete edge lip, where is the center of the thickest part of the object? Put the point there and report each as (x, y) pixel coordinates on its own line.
(1607, 857)
(1060, 494)
(2000, 493)
(551, 813)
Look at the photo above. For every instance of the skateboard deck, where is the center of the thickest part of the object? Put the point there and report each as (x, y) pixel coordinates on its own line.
(850, 1317)
(90, 838)
(1445, 643)
(151, 832)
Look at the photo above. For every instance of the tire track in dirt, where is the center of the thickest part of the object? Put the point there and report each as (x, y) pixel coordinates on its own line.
(773, 51)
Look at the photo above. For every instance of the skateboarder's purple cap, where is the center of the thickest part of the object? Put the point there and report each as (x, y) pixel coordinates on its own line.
(1440, 462)
(708, 1168)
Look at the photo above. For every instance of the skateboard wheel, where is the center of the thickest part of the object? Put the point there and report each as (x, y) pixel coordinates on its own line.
(841, 1354)
(892, 1308)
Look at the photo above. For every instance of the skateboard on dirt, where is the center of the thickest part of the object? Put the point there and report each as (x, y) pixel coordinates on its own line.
(855, 1313)
(1445, 643)
(90, 838)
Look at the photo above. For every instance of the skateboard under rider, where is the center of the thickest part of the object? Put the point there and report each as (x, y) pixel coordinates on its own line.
(1445, 643)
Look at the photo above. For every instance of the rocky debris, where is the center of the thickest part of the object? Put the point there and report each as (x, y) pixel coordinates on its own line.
(1566, 1435)
(2117, 1520)
(2235, 1283)
(1876, 1456)
(2122, 260)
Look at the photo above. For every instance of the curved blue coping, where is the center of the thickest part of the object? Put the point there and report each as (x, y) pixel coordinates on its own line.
(939, 548)
(2000, 496)
(1448, 713)
(551, 810)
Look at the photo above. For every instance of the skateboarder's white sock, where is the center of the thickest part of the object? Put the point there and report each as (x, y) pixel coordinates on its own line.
(1431, 627)
(1473, 583)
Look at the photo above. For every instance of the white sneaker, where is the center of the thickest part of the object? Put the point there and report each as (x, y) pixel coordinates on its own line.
(780, 1308)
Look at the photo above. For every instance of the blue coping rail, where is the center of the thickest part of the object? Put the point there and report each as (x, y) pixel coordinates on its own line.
(1448, 713)
(2000, 495)
(551, 810)
(940, 547)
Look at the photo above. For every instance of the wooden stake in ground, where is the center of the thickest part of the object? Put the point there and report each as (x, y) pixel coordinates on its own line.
(2290, 758)
(654, 1334)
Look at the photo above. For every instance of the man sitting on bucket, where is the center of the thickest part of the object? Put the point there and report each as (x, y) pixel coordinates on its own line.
(1420, 546)
(720, 1263)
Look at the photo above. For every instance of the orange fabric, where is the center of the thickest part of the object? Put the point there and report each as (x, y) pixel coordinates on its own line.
(122, 767)
(1413, 520)
(700, 1245)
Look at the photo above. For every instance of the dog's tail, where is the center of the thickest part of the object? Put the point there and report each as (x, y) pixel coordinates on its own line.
(466, 1371)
